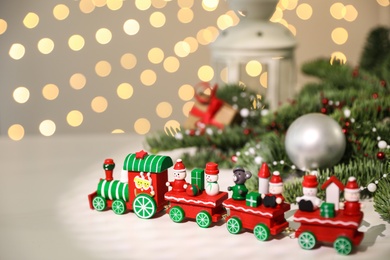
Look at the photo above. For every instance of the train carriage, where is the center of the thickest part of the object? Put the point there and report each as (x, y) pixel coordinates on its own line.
(203, 209)
(341, 230)
(141, 187)
(263, 221)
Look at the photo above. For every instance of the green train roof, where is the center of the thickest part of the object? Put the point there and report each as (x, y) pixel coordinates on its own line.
(144, 162)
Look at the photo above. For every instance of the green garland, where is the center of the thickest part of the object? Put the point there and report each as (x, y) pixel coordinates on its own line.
(357, 98)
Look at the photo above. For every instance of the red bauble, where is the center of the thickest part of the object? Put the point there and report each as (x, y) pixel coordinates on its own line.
(325, 101)
(247, 131)
(234, 158)
(375, 95)
(324, 110)
(192, 190)
(383, 83)
(380, 155)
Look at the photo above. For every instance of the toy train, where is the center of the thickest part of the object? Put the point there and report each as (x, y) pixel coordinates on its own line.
(144, 188)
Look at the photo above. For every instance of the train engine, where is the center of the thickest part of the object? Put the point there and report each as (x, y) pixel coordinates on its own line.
(141, 187)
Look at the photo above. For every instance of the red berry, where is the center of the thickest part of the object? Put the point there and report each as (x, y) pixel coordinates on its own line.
(380, 155)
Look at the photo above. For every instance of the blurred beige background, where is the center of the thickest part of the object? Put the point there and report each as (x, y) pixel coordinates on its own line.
(103, 66)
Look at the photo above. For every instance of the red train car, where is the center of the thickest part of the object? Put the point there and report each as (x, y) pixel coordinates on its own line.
(263, 221)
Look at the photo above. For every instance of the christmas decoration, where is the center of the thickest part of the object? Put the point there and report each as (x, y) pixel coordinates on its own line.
(315, 141)
(208, 110)
(355, 97)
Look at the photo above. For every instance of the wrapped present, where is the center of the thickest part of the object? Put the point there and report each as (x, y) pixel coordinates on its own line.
(208, 110)
(197, 178)
(253, 199)
(327, 210)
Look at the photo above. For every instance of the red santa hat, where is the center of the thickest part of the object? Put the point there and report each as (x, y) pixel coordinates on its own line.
(352, 185)
(310, 181)
(276, 180)
(264, 171)
(179, 166)
(211, 168)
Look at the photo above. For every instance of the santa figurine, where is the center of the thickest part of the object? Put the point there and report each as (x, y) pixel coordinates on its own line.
(179, 174)
(309, 201)
(211, 176)
(351, 206)
(274, 197)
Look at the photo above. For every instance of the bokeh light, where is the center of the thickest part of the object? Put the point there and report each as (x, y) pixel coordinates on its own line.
(210, 5)
(76, 42)
(205, 73)
(155, 55)
(45, 45)
(264, 79)
(187, 108)
(186, 92)
(171, 64)
(339, 35)
(338, 56)
(17, 51)
(31, 20)
(159, 3)
(148, 77)
(224, 21)
(128, 61)
(114, 4)
(157, 19)
(3, 26)
(164, 109)
(61, 12)
(99, 3)
(185, 3)
(304, 11)
(131, 27)
(103, 68)
(21, 95)
(74, 118)
(77, 81)
(16, 132)
(103, 36)
(351, 13)
(47, 128)
(50, 91)
(253, 68)
(99, 104)
(185, 15)
(143, 4)
(86, 6)
(337, 11)
(142, 126)
(383, 3)
(171, 127)
(193, 43)
(124, 91)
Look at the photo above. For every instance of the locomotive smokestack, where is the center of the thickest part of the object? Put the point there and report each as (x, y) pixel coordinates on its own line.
(108, 167)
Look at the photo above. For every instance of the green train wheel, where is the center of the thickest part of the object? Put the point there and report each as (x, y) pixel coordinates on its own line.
(203, 219)
(307, 240)
(99, 203)
(119, 207)
(144, 206)
(176, 213)
(343, 245)
(234, 225)
(261, 232)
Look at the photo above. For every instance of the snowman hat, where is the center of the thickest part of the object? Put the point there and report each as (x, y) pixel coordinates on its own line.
(211, 168)
(310, 181)
(352, 185)
(264, 171)
(276, 180)
(179, 166)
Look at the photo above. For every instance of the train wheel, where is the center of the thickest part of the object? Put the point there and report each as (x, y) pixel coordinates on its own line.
(203, 219)
(144, 206)
(307, 240)
(176, 213)
(119, 207)
(234, 225)
(261, 232)
(99, 203)
(343, 245)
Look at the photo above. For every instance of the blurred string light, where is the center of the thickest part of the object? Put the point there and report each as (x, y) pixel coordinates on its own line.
(156, 55)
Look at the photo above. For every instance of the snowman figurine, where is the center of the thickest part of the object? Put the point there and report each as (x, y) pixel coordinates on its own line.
(211, 176)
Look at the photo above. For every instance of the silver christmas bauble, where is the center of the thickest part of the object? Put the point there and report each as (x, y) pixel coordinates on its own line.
(315, 141)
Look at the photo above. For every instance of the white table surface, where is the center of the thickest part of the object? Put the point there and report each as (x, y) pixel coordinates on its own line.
(45, 215)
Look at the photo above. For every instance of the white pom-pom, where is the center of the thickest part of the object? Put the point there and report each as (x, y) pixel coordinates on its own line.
(382, 144)
(244, 112)
(347, 112)
(371, 187)
(258, 160)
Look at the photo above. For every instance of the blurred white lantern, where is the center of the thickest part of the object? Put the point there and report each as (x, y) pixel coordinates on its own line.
(257, 52)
